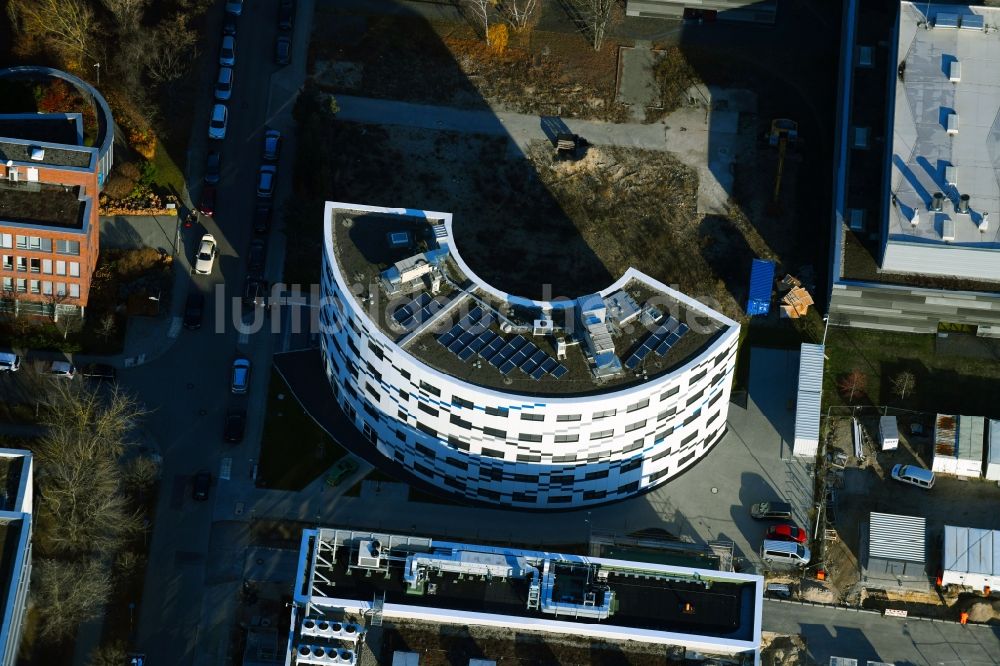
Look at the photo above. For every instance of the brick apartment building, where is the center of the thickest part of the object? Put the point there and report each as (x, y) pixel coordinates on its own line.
(49, 220)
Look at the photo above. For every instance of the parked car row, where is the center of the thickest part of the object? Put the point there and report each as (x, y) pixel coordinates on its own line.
(11, 362)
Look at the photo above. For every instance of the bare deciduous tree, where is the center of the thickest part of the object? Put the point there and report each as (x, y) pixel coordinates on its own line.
(107, 326)
(66, 26)
(170, 49)
(852, 384)
(904, 384)
(482, 10)
(113, 654)
(67, 593)
(128, 13)
(518, 12)
(595, 16)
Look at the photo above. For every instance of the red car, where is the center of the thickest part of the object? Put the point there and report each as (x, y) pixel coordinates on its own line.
(207, 204)
(786, 533)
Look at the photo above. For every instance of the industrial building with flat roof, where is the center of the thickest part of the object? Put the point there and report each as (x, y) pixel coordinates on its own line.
(498, 398)
(915, 240)
(356, 579)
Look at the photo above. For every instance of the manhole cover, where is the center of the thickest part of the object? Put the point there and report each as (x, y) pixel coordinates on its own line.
(715, 491)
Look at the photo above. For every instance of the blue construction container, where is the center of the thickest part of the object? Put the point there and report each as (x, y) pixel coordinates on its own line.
(761, 280)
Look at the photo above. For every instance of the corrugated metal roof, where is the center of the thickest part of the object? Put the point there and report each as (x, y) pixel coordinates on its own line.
(888, 427)
(893, 537)
(971, 550)
(807, 406)
(761, 281)
(971, 431)
(993, 455)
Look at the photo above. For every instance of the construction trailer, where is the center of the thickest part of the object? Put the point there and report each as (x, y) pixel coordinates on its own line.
(971, 558)
(808, 400)
(958, 445)
(888, 433)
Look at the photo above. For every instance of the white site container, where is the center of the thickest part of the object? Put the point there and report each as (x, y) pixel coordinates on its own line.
(888, 432)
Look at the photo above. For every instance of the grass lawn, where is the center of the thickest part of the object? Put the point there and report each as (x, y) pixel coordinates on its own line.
(944, 383)
(169, 176)
(294, 450)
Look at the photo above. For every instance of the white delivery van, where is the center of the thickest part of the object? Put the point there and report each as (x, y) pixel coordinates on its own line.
(785, 552)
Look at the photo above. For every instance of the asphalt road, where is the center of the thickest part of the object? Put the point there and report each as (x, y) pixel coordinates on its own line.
(187, 388)
(834, 632)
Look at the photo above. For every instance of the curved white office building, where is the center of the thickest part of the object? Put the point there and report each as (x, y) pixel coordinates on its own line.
(502, 399)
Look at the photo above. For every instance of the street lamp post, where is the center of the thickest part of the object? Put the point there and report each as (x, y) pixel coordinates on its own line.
(826, 327)
(97, 66)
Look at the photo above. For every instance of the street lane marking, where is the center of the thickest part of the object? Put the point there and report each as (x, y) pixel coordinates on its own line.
(175, 328)
(225, 469)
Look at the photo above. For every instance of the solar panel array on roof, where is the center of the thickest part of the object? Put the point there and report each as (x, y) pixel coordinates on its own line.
(417, 311)
(471, 336)
(660, 341)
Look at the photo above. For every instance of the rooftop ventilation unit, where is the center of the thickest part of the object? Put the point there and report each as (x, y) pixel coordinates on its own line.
(984, 224)
(37, 153)
(370, 554)
(915, 220)
(542, 327)
(948, 229)
(963, 204)
(326, 629)
(952, 123)
(318, 654)
(937, 202)
(973, 22)
(856, 219)
(865, 56)
(944, 20)
(951, 175)
(955, 71)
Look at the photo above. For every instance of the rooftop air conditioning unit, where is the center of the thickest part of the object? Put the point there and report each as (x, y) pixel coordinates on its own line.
(370, 554)
(955, 71)
(542, 327)
(952, 124)
(948, 230)
(37, 153)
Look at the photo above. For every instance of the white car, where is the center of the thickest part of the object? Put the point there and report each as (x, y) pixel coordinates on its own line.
(62, 369)
(220, 120)
(9, 362)
(227, 54)
(205, 259)
(265, 181)
(224, 84)
(234, 7)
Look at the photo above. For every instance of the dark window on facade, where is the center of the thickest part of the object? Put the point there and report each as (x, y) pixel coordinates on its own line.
(594, 494)
(600, 474)
(694, 415)
(402, 416)
(663, 434)
(526, 478)
(372, 412)
(562, 439)
(458, 444)
(634, 446)
(488, 494)
(497, 411)
(455, 462)
(628, 488)
(561, 479)
(658, 475)
(376, 350)
(374, 373)
(424, 407)
(426, 429)
(566, 458)
(524, 497)
(696, 397)
(493, 432)
(680, 463)
(353, 347)
(461, 423)
(350, 391)
(399, 435)
(398, 456)
(568, 417)
(670, 392)
(527, 437)
(421, 469)
(605, 414)
(354, 327)
(638, 405)
(715, 398)
(661, 455)
(528, 416)
(371, 389)
(433, 390)
(638, 425)
(404, 374)
(424, 451)
(403, 395)
(697, 377)
(491, 473)
(601, 434)
(633, 464)
(462, 402)
(524, 457)
(560, 499)
(492, 453)
(690, 438)
(454, 483)
(666, 414)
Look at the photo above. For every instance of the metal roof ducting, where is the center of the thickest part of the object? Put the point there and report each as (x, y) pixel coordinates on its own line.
(946, 20)
(951, 175)
(973, 22)
(901, 538)
(948, 229)
(955, 71)
(952, 123)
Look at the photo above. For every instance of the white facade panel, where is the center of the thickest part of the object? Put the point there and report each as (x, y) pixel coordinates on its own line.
(470, 440)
